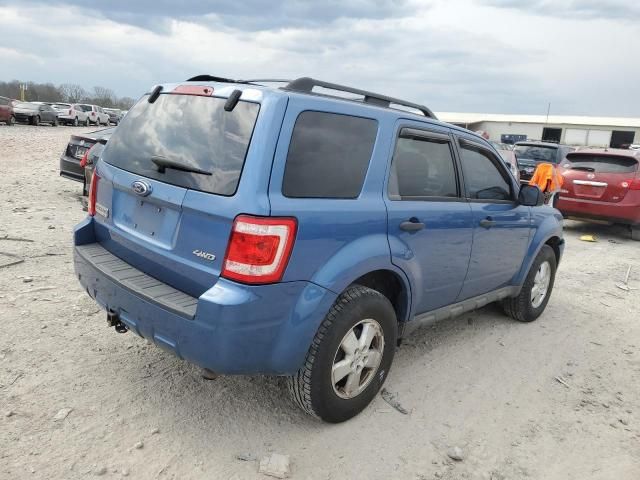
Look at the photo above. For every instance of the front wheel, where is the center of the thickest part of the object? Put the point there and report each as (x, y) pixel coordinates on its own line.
(54, 123)
(35, 120)
(635, 232)
(11, 121)
(349, 358)
(535, 293)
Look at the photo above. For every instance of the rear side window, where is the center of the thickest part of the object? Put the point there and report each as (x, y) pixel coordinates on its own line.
(422, 168)
(189, 131)
(601, 163)
(483, 179)
(328, 155)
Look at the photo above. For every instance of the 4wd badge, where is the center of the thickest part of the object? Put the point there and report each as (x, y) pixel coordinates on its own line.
(205, 255)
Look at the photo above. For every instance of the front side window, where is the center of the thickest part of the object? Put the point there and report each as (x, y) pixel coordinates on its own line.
(328, 155)
(422, 168)
(483, 179)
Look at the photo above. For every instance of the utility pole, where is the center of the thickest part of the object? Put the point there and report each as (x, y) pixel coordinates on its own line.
(548, 110)
(23, 89)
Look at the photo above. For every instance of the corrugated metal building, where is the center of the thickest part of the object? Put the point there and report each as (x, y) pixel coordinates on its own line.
(593, 131)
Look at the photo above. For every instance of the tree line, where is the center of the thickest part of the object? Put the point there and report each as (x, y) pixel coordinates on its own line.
(67, 93)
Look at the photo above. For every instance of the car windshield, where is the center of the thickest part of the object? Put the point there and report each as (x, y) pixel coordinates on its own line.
(539, 153)
(207, 143)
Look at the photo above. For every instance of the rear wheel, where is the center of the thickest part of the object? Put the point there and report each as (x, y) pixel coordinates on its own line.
(535, 293)
(35, 120)
(87, 122)
(75, 122)
(11, 121)
(55, 122)
(349, 358)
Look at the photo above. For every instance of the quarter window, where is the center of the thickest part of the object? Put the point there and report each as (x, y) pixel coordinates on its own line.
(482, 177)
(328, 155)
(422, 167)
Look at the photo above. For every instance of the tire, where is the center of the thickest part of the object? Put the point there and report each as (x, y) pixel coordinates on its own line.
(525, 307)
(635, 232)
(87, 122)
(312, 387)
(54, 123)
(75, 122)
(35, 120)
(12, 121)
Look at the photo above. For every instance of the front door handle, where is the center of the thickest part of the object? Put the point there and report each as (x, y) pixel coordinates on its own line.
(487, 222)
(412, 225)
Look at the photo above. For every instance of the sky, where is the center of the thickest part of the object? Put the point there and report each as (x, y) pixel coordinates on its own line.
(489, 56)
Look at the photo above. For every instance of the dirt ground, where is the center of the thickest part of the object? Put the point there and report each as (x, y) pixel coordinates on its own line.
(555, 399)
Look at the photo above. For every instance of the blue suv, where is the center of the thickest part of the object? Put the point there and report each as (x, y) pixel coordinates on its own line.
(304, 231)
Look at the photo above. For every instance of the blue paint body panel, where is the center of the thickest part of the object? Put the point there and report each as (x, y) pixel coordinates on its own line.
(244, 329)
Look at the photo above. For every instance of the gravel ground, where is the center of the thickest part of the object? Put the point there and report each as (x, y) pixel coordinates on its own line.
(555, 399)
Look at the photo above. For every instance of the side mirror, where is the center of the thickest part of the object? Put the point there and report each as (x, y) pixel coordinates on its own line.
(530, 196)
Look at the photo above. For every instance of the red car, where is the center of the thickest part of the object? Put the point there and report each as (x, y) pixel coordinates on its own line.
(602, 184)
(6, 111)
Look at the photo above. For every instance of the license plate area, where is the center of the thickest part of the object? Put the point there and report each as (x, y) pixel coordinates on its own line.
(145, 219)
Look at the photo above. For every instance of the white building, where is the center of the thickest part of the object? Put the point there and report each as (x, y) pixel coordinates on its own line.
(593, 131)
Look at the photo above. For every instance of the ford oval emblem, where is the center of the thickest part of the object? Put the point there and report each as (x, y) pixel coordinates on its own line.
(141, 188)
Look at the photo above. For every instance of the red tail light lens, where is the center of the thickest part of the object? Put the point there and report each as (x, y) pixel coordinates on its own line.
(85, 159)
(631, 184)
(93, 194)
(70, 112)
(259, 249)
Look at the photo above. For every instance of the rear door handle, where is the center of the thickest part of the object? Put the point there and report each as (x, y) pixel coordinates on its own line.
(487, 222)
(413, 225)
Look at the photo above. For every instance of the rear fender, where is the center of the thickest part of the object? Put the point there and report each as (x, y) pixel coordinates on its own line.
(364, 255)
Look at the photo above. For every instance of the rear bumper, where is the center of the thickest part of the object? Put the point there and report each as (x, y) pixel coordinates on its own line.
(233, 329)
(70, 168)
(627, 211)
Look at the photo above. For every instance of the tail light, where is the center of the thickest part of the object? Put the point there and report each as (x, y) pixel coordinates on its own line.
(93, 194)
(632, 184)
(259, 249)
(85, 159)
(70, 112)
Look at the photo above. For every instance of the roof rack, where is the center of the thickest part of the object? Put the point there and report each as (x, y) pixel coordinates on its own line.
(306, 85)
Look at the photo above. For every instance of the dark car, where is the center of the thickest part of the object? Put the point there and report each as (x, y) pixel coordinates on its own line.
(115, 115)
(91, 157)
(76, 148)
(529, 154)
(6, 111)
(35, 113)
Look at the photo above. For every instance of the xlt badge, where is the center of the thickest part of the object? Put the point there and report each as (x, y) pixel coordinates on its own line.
(205, 255)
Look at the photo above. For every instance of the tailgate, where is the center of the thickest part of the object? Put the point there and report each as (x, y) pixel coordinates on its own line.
(167, 194)
(600, 177)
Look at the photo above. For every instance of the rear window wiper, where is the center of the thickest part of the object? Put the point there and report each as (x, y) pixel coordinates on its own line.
(586, 169)
(163, 163)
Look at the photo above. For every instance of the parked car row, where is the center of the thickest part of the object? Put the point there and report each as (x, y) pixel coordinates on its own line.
(35, 113)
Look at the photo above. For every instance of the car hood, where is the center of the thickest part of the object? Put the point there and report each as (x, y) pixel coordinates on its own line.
(24, 110)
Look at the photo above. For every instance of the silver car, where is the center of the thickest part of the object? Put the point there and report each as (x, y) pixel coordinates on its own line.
(97, 115)
(71, 114)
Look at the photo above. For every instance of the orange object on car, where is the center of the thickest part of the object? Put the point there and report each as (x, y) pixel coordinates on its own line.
(547, 178)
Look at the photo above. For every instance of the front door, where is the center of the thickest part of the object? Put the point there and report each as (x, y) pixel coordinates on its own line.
(429, 221)
(501, 227)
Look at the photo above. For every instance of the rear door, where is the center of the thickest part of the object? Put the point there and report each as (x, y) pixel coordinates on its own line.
(501, 226)
(430, 224)
(174, 223)
(599, 177)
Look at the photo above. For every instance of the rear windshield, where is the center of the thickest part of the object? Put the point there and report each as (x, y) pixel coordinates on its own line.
(192, 131)
(538, 153)
(85, 108)
(601, 163)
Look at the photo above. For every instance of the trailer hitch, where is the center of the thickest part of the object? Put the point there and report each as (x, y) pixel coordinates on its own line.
(113, 320)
